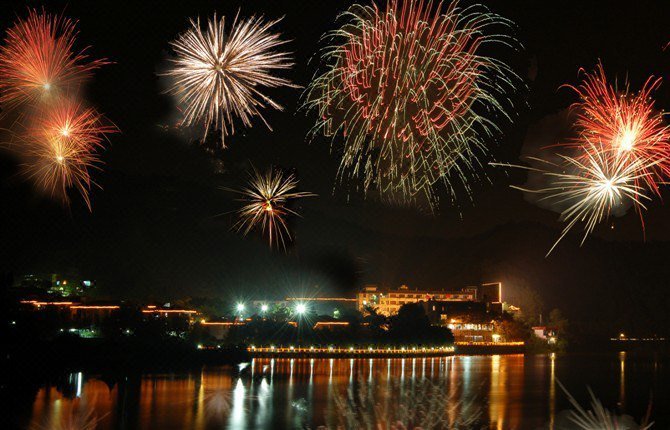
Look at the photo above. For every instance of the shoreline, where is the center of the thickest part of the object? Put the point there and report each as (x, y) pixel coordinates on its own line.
(459, 348)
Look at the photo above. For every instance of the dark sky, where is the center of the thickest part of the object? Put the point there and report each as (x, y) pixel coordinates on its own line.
(154, 228)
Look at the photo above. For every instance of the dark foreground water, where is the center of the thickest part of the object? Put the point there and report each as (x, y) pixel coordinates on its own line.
(497, 392)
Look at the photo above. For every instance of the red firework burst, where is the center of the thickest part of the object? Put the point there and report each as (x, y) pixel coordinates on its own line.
(402, 85)
(37, 59)
(62, 146)
(624, 125)
(373, 79)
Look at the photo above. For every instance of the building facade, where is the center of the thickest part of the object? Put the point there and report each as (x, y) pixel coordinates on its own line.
(388, 301)
(469, 321)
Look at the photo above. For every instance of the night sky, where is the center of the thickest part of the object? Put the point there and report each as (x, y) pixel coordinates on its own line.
(161, 225)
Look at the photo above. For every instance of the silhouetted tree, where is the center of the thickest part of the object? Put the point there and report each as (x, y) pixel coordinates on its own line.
(412, 326)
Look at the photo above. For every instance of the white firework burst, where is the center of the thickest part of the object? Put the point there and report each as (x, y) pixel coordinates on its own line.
(590, 186)
(218, 75)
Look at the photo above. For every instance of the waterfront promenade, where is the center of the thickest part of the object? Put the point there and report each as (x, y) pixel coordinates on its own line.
(357, 352)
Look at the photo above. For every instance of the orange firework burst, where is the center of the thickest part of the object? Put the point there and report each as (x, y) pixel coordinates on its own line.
(62, 146)
(37, 59)
(624, 125)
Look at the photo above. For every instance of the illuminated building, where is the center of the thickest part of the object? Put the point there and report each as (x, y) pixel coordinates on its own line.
(92, 313)
(174, 322)
(469, 321)
(388, 301)
(490, 292)
(168, 312)
(330, 325)
(42, 304)
(65, 316)
(54, 314)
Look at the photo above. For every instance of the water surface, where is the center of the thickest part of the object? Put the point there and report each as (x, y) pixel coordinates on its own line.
(504, 391)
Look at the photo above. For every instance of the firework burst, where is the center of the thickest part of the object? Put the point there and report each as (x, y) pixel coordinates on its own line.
(265, 205)
(74, 419)
(62, 146)
(589, 187)
(620, 155)
(627, 127)
(89, 421)
(217, 75)
(405, 88)
(597, 417)
(38, 59)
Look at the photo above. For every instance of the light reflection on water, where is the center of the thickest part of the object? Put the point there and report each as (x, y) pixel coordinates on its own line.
(510, 391)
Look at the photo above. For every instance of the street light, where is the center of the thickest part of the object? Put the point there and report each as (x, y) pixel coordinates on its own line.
(240, 308)
(264, 308)
(300, 310)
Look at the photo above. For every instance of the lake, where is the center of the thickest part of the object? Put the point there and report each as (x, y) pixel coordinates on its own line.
(496, 392)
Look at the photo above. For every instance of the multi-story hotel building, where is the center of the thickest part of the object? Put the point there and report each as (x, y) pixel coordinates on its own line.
(389, 301)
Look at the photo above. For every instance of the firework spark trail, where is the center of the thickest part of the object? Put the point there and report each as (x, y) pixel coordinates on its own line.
(404, 87)
(72, 420)
(597, 416)
(37, 59)
(266, 198)
(426, 405)
(626, 125)
(217, 75)
(591, 186)
(62, 146)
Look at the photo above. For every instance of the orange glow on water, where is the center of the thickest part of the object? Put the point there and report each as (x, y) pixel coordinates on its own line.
(255, 395)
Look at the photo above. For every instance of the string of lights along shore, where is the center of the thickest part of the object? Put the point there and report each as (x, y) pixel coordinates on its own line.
(407, 94)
